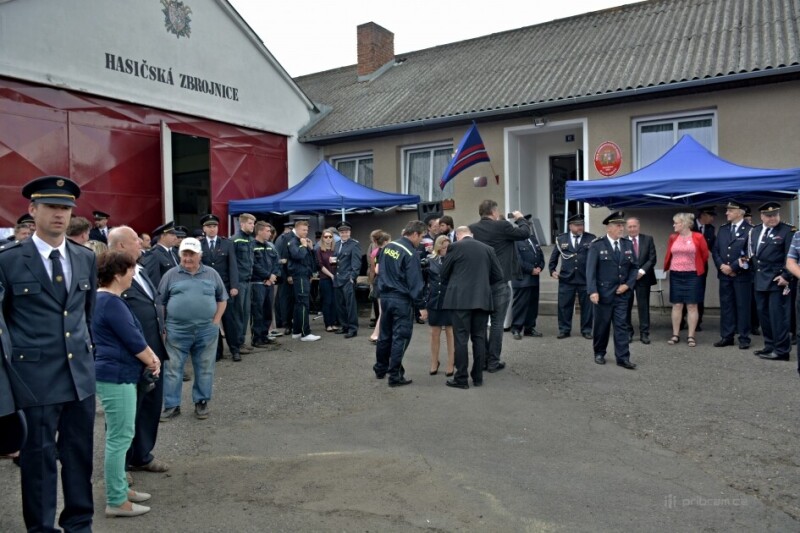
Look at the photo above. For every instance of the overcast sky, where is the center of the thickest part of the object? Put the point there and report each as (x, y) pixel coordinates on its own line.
(308, 36)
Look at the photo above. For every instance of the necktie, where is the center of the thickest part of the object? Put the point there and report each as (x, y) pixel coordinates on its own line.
(575, 241)
(764, 239)
(59, 283)
(636, 246)
(213, 245)
(616, 250)
(733, 230)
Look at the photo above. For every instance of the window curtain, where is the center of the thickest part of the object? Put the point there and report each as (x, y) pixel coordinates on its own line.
(654, 141)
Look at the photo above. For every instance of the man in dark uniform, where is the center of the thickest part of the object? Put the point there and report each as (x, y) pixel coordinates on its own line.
(100, 230)
(755, 325)
(284, 307)
(470, 269)
(735, 282)
(23, 229)
(611, 268)
(525, 304)
(243, 244)
(769, 246)
(161, 257)
(13, 429)
(572, 247)
(645, 250)
(492, 230)
(347, 253)
(703, 224)
(265, 273)
(400, 289)
(48, 314)
(301, 266)
(277, 270)
(218, 253)
(141, 298)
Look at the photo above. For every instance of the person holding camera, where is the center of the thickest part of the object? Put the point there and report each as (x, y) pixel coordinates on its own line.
(300, 266)
(121, 357)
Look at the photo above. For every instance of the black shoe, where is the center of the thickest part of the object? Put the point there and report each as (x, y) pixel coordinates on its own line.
(169, 413)
(761, 352)
(645, 338)
(477, 383)
(532, 333)
(420, 321)
(400, 382)
(340, 331)
(599, 359)
(287, 331)
(756, 331)
(456, 385)
(517, 335)
(350, 335)
(723, 342)
(379, 376)
(372, 322)
(500, 366)
(775, 357)
(236, 357)
(449, 374)
(744, 345)
(587, 336)
(201, 410)
(626, 364)
(562, 335)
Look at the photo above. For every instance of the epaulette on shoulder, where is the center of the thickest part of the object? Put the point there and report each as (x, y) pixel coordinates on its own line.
(9, 246)
(355, 241)
(597, 239)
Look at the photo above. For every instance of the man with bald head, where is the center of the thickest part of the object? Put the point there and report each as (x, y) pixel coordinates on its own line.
(141, 298)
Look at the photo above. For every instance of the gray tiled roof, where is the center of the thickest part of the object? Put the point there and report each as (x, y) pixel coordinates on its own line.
(610, 52)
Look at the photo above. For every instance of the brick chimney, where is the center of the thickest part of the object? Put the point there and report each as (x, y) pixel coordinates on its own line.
(375, 48)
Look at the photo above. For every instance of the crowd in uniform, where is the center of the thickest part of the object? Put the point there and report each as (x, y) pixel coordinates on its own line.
(118, 314)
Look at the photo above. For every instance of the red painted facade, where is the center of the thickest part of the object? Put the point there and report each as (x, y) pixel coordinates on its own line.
(113, 151)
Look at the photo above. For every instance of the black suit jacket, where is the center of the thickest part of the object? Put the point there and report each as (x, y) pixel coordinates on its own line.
(222, 259)
(647, 260)
(530, 257)
(604, 273)
(52, 350)
(728, 249)
(149, 314)
(501, 236)
(470, 269)
(708, 234)
(96, 235)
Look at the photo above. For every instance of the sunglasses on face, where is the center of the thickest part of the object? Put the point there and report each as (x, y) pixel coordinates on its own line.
(327, 236)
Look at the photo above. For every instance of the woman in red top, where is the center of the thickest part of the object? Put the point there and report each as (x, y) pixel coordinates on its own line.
(687, 253)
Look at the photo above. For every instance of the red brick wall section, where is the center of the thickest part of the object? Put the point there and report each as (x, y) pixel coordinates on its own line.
(375, 48)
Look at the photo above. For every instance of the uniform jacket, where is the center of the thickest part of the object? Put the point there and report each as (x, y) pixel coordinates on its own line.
(281, 244)
(265, 262)
(96, 235)
(8, 385)
(302, 262)
(400, 273)
(469, 270)
(728, 249)
(348, 262)
(530, 257)
(769, 260)
(434, 296)
(157, 262)
(604, 273)
(222, 259)
(708, 233)
(501, 236)
(51, 343)
(573, 261)
(149, 314)
(243, 244)
(647, 260)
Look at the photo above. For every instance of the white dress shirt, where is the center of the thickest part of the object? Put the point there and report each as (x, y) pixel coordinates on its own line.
(44, 251)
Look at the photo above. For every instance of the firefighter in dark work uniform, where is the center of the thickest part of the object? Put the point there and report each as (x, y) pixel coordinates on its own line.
(400, 288)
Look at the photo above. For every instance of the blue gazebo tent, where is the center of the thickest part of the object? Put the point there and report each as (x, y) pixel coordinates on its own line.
(323, 190)
(687, 175)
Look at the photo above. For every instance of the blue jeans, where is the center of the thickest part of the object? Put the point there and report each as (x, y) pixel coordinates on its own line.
(199, 343)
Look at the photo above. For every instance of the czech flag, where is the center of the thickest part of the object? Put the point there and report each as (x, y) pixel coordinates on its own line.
(470, 152)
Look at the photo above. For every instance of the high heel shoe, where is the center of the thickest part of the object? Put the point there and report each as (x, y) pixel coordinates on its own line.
(449, 374)
(434, 372)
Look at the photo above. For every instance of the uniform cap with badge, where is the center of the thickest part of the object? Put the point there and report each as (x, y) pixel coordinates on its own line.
(770, 208)
(168, 227)
(617, 217)
(53, 190)
(210, 220)
(100, 215)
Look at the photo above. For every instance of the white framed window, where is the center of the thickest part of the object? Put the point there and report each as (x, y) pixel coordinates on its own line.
(423, 167)
(654, 136)
(357, 167)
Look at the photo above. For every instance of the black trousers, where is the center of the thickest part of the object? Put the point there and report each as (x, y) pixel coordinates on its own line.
(259, 324)
(148, 411)
(566, 307)
(59, 432)
(524, 308)
(231, 328)
(302, 296)
(604, 316)
(397, 324)
(347, 307)
(642, 294)
(284, 308)
(469, 324)
(734, 300)
(774, 314)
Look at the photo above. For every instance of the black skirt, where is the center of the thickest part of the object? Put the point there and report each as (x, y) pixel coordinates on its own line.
(440, 317)
(685, 288)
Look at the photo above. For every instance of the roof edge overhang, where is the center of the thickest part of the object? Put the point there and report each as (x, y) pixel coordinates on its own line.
(733, 81)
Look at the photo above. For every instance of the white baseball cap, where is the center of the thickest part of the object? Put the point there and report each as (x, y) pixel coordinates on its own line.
(191, 244)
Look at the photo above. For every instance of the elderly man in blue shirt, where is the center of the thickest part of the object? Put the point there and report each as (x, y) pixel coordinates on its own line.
(194, 299)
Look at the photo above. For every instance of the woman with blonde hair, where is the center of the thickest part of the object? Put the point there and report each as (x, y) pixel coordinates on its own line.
(380, 240)
(687, 254)
(439, 319)
(327, 272)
